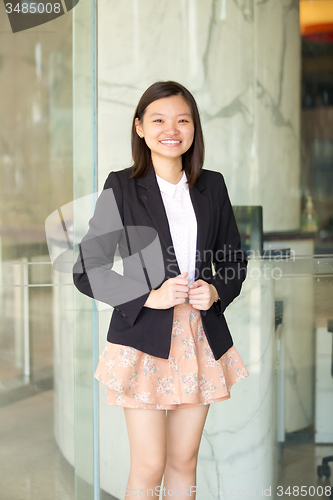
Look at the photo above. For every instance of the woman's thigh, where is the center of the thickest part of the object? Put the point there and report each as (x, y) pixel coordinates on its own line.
(147, 433)
(184, 432)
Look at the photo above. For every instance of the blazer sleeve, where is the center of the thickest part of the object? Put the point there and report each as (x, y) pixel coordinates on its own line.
(229, 260)
(92, 272)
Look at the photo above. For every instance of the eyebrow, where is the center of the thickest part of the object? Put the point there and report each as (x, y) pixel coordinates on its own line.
(181, 114)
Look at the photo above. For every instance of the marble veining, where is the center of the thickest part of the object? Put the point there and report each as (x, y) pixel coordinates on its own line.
(241, 61)
(247, 9)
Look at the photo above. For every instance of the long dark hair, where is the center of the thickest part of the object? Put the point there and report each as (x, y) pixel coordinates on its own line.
(193, 158)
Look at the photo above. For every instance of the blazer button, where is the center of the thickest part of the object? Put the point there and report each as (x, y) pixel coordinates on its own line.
(203, 313)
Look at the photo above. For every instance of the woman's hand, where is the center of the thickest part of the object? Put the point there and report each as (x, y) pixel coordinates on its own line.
(202, 295)
(174, 291)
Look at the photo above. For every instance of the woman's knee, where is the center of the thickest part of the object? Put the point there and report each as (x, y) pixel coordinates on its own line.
(150, 468)
(184, 463)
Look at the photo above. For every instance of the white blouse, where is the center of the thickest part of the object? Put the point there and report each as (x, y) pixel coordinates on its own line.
(182, 222)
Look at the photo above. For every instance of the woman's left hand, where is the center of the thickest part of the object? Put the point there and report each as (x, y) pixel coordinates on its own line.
(202, 295)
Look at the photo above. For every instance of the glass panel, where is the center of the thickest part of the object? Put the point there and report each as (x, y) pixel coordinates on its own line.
(85, 315)
(36, 177)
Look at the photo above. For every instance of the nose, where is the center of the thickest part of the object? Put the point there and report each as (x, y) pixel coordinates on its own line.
(171, 128)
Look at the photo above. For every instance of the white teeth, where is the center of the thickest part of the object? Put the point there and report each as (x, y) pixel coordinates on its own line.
(170, 142)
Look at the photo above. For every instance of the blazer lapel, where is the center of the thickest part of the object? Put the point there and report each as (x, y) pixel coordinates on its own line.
(152, 199)
(200, 204)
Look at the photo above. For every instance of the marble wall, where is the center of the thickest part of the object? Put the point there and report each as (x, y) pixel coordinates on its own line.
(238, 452)
(240, 59)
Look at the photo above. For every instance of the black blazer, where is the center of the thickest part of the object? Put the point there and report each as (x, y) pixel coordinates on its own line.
(140, 203)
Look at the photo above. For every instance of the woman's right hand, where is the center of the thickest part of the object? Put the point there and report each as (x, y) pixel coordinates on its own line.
(174, 291)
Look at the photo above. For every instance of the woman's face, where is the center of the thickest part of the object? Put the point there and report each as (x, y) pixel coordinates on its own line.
(167, 127)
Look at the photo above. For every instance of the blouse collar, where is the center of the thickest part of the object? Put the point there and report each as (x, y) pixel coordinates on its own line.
(169, 188)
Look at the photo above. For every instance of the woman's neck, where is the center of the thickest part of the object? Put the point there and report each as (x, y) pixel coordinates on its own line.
(169, 169)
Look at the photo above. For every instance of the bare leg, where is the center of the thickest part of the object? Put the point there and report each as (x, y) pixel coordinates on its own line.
(184, 431)
(147, 437)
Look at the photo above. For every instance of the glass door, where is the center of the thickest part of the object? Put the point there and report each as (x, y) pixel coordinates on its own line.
(36, 340)
(84, 188)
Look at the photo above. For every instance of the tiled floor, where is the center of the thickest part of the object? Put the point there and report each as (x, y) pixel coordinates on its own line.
(298, 467)
(32, 467)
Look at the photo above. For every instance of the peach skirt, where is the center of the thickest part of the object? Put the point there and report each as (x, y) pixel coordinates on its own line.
(189, 377)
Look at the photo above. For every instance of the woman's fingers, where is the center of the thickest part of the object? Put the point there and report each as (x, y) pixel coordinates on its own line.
(200, 295)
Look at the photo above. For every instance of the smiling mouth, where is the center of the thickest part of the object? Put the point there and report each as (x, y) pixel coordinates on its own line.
(170, 142)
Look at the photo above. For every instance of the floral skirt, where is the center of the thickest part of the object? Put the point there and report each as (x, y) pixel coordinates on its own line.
(189, 377)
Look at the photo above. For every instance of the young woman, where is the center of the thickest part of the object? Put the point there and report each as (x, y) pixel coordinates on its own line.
(169, 353)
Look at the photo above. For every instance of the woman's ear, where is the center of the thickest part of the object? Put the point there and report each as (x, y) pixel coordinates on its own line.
(138, 127)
